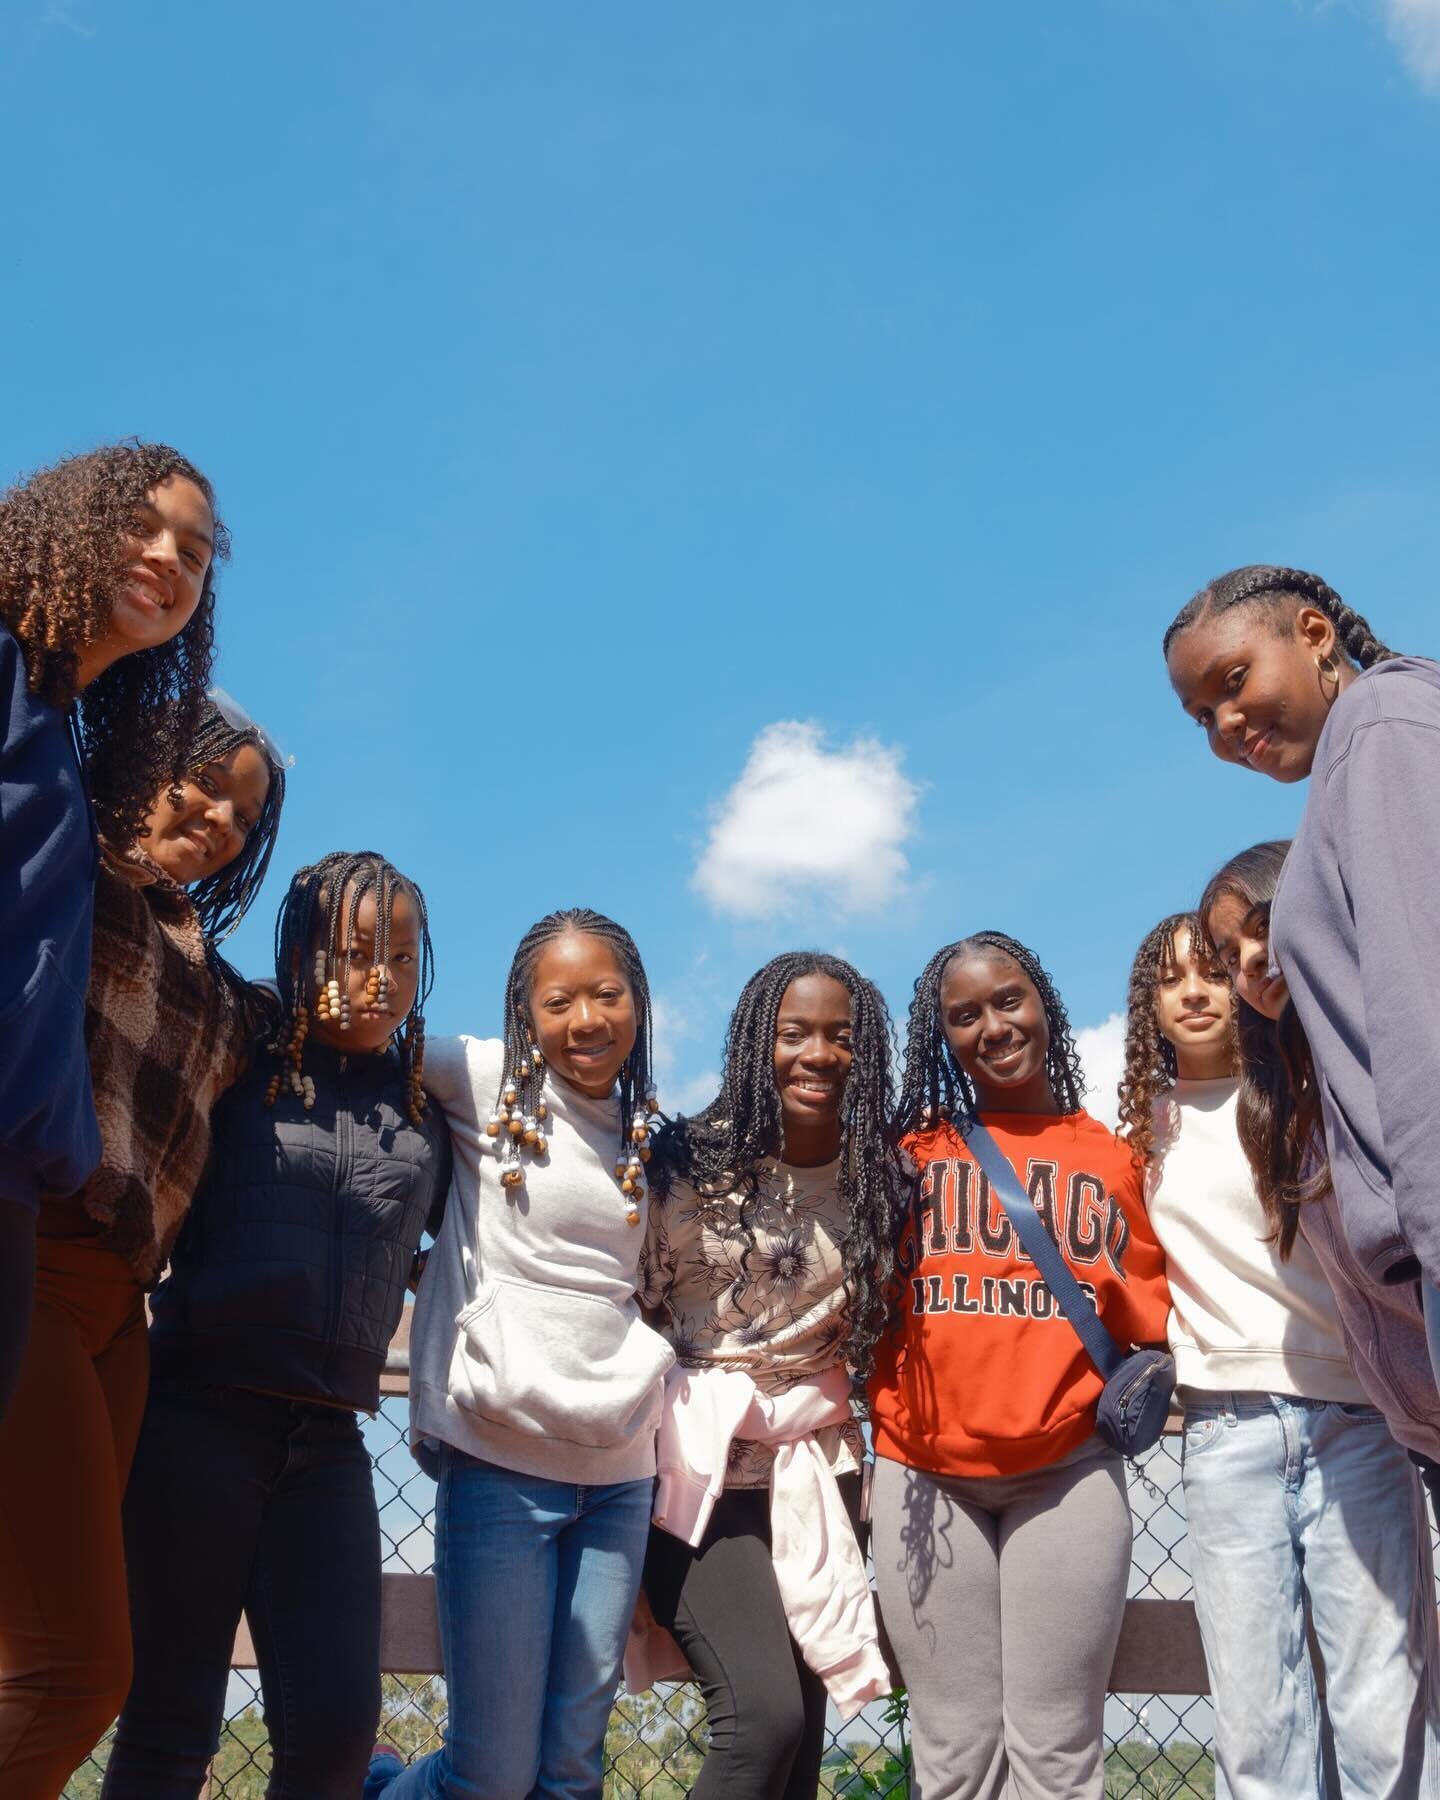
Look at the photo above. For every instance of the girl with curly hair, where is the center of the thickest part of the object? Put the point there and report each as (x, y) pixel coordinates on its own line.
(106, 596)
(1296, 1496)
(535, 1383)
(1287, 680)
(768, 1261)
(168, 1026)
(1001, 1524)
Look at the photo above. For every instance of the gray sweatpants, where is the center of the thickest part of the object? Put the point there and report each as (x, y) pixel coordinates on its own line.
(1003, 1599)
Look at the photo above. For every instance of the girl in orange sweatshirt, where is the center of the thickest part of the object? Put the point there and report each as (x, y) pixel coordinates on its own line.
(1001, 1524)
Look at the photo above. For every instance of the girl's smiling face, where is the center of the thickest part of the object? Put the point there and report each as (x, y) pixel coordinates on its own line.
(1260, 694)
(995, 1024)
(205, 828)
(1241, 936)
(813, 1054)
(1194, 1009)
(165, 557)
(582, 1011)
(371, 1025)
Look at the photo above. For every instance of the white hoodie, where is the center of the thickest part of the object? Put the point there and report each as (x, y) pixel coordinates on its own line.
(1241, 1320)
(528, 1349)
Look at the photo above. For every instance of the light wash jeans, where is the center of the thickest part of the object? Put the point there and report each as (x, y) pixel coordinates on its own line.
(1293, 1499)
(536, 1583)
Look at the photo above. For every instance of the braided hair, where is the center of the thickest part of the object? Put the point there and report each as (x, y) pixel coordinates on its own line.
(316, 922)
(62, 549)
(1150, 1062)
(1277, 1112)
(520, 1107)
(1264, 584)
(221, 900)
(935, 1086)
(720, 1150)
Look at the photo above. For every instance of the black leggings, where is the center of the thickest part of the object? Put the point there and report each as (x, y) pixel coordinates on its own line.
(766, 1709)
(246, 1502)
(17, 1291)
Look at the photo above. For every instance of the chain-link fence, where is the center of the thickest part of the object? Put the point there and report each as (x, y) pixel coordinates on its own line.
(1158, 1746)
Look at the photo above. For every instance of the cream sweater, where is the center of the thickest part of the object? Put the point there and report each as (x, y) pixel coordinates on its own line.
(528, 1349)
(1240, 1318)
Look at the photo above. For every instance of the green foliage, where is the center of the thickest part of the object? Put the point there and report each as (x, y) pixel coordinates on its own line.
(1141, 1770)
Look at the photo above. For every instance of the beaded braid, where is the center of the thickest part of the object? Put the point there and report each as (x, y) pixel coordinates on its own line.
(311, 916)
(520, 1108)
(1268, 584)
(720, 1150)
(221, 900)
(935, 1086)
(1150, 1062)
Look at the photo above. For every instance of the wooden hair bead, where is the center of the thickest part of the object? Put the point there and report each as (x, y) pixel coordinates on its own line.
(492, 1125)
(516, 1124)
(531, 1132)
(511, 1176)
(632, 1215)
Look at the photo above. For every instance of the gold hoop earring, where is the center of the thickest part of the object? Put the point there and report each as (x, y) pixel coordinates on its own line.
(1329, 677)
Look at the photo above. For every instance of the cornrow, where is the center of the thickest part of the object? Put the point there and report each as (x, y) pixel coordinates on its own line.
(935, 1086)
(1150, 1062)
(521, 1110)
(720, 1150)
(308, 943)
(221, 900)
(1264, 583)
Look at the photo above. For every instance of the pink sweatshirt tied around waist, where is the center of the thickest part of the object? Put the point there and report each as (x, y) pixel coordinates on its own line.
(818, 1566)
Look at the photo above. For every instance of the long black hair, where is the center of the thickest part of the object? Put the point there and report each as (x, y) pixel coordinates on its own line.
(223, 899)
(1277, 1112)
(1265, 584)
(721, 1149)
(935, 1086)
(315, 921)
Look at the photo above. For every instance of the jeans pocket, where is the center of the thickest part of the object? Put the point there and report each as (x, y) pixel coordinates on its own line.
(1358, 1412)
(1199, 1434)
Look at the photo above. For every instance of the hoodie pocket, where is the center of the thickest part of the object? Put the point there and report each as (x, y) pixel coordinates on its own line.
(548, 1362)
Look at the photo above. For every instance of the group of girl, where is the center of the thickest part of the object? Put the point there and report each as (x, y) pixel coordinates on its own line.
(643, 1349)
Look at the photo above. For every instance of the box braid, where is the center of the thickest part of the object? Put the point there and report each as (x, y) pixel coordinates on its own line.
(720, 1151)
(308, 939)
(223, 899)
(520, 1108)
(1264, 584)
(935, 1086)
(1150, 1064)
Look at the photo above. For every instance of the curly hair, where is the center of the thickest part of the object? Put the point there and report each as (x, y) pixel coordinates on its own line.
(221, 900)
(1278, 1110)
(935, 1086)
(719, 1150)
(62, 551)
(1282, 591)
(1150, 1065)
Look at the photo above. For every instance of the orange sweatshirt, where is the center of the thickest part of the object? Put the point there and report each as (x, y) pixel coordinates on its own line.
(985, 1376)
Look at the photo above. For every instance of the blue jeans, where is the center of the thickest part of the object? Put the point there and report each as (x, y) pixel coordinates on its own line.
(536, 1583)
(1290, 1500)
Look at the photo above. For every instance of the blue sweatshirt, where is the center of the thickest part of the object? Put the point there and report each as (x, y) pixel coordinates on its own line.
(48, 1136)
(1356, 929)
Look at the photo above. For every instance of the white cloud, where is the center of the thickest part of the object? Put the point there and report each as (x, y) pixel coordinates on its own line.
(1102, 1056)
(673, 1023)
(805, 823)
(1414, 28)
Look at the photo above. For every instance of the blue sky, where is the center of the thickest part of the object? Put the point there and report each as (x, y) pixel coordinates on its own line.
(607, 399)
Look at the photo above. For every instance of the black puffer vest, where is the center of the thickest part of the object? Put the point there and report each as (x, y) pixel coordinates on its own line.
(290, 1273)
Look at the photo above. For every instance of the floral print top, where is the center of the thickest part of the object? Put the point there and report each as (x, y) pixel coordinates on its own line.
(778, 1313)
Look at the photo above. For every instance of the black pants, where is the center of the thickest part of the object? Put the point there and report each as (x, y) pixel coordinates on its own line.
(17, 1291)
(244, 1501)
(766, 1709)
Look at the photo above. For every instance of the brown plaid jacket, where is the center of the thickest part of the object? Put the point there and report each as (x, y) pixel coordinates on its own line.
(167, 1035)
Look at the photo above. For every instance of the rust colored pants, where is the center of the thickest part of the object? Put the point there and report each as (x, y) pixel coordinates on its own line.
(65, 1451)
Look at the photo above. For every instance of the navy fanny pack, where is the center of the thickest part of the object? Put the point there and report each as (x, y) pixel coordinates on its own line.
(1134, 1402)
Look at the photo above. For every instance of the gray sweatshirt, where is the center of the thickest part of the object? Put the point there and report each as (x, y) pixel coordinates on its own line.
(527, 1348)
(1356, 929)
